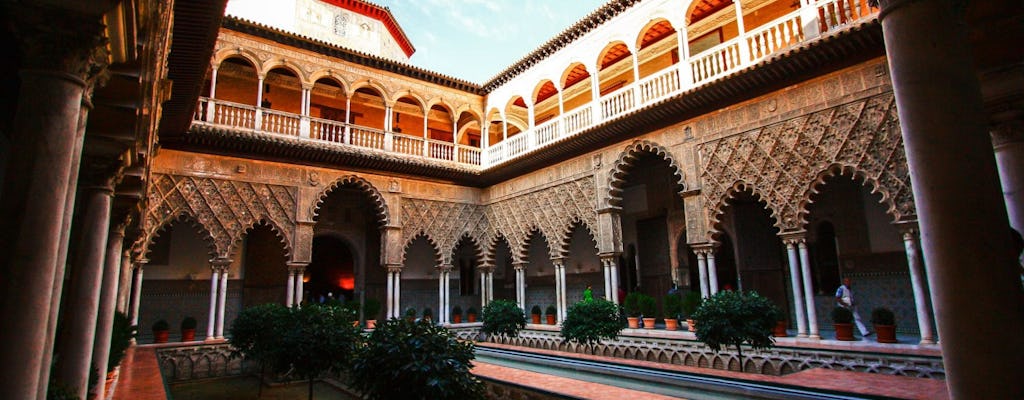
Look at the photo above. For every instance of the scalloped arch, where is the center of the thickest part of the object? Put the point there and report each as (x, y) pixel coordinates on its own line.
(379, 205)
(492, 247)
(285, 240)
(619, 171)
(554, 249)
(478, 250)
(182, 216)
(858, 176)
(716, 212)
(438, 256)
(565, 239)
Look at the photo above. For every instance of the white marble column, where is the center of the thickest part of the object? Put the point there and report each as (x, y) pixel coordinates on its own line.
(289, 296)
(389, 299)
(794, 278)
(702, 271)
(395, 291)
(300, 280)
(442, 293)
(212, 104)
(607, 279)
(712, 271)
(520, 269)
(919, 285)
(222, 297)
(258, 124)
(137, 291)
(560, 285)
(211, 324)
(805, 268)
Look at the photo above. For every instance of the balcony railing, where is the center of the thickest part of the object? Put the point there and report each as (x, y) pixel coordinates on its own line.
(701, 68)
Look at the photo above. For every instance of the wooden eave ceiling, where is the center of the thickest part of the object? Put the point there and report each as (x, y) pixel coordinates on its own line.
(833, 52)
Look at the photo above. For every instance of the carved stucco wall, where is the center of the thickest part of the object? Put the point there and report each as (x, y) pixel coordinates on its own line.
(226, 209)
(783, 163)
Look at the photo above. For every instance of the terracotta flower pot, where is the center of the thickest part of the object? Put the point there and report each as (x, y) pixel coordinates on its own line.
(188, 335)
(160, 336)
(671, 324)
(535, 318)
(457, 319)
(472, 317)
(886, 333)
(843, 331)
(780, 329)
(551, 319)
(649, 323)
(634, 322)
(691, 325)
(371, 323)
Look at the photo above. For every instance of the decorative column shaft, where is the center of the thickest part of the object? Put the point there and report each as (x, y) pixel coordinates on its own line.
(812, 313)
(107, 305)
(137, 290)
(76, 343)
(560, 295)
(222, 296)
(520, 269)
(712, 271)
(798, 291)
(296, 274)
(389, 297)
(974, 279)
(289, 296)
(211, 324)
(124, 285)
(702, 271)
(1008, 140)
(918, 283)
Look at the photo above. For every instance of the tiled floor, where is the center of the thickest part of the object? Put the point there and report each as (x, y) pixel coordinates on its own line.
(140, 376)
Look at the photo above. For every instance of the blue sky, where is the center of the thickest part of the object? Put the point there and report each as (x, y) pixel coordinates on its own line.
(476, 39)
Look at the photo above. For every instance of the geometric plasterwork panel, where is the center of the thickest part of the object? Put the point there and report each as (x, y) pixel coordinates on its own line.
(553, 211)
(783, 163)
(443, 223)
(226, 209)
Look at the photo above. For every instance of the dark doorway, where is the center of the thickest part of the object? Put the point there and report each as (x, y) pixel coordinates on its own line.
(331, 273)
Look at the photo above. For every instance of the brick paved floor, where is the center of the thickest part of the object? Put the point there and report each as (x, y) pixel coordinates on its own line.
(140, 376)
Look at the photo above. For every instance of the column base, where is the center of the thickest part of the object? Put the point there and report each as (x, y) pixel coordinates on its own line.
(801, 335)
(928, 341)
(815, 337)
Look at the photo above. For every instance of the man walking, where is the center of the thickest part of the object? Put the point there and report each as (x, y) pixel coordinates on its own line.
(844, 297)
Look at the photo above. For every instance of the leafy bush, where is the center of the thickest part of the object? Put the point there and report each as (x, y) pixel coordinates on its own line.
(842, 315)
(120, 339)
(587, 322)
(428, 313)
(371, 308)
(503, 317)
(456, 310)
(415, 360)
(648, 306)
(883, 316)
(535, 310)
(471, 310)
(632, 304)
(551, 310)
(410, 313)
(188, 323)
(161, 325)
(734, 318)
(690, 303)
(673, 306)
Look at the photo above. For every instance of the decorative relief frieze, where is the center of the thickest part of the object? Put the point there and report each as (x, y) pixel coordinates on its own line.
(226, 209)
(785, 162)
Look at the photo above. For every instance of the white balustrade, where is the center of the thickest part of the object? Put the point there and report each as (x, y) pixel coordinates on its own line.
(617, 103)
(716, 61)
(835, 14)
(517, 144)
(547, 132)
(577, 120)
(469, 155)
(234, 114)
(495, 153)
(658, 86)
(367, 137)
(440, 150)
(280, 122)
(779, 34)
(327, 130)
(405, 144)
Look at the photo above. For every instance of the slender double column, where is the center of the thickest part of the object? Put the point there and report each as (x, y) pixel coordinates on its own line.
(972, 273)
(486, 285)
(394, 291)
(793, 254)
(918, 283)
(611, 277)
(560, 295)
(294, 291)
(805, 273)
(218, 294)
(443, 293)
(702, 270)
(520, 268)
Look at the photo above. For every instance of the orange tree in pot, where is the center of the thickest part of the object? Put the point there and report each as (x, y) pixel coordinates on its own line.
(535, 315)
(732, 318)
(673, 306)
(632, 307)
(649, 310)
(549, 314)
(456, 315)
(842, 320)
(885, 324)
(188, 329)
(471, 314)
(161, 330)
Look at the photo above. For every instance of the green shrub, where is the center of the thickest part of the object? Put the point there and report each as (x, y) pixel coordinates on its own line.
(673, 306)
(551, 310)
(883, 316)
(471, 310)
(161, 325)
(632, 304)
(535, 310)
(648, 306)
(734, 318)
(415, 360)
(188, 323)
(456, 310)
(410, 313)
(587, 322)
(371, 308)
(503, 317)
(428, 313)
(842, 315)
(690, 303)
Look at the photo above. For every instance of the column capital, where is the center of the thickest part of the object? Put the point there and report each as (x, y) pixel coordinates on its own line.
(445, 267)
(609, 256)
(1007, 132)
(63, 41)
(393, 269)
(907, 228)
(558, 261)
(793, 237)
(296, 266)
(704, 248)
(519, 266)
(220, 264)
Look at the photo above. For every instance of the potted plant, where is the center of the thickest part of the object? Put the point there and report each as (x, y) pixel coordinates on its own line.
(503, 318)
(734, 318)
(161, 330)
(428, 314)
(648, 310)
(885, 324)
(353, 307)
(188, 329)
(690, 303)
(457, 315)
(589, 321)
(673, 306)
(842, 320)
(471, 314)
(535, 315)
(410, 314)
(632, 306)
(371, 308)
(550, 314)
(779, 330)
